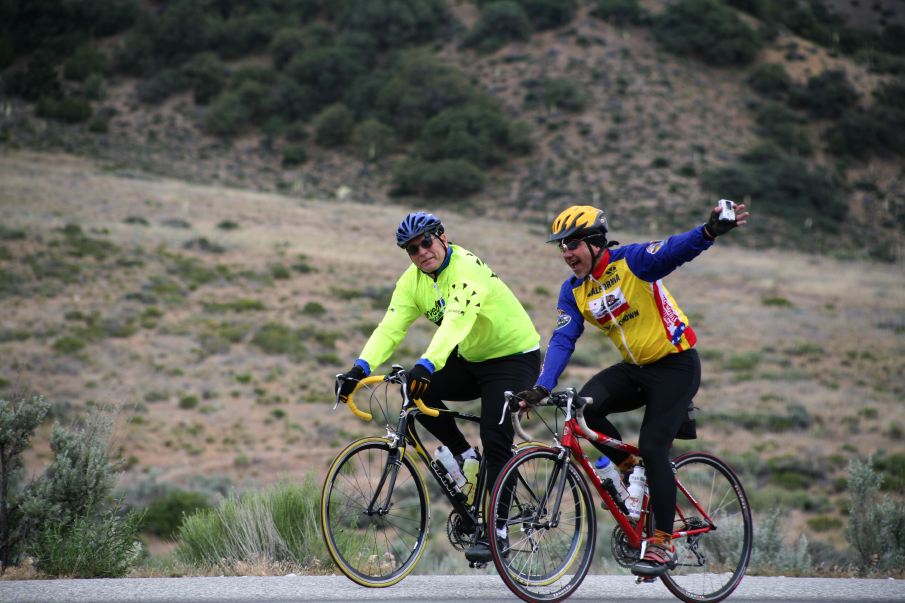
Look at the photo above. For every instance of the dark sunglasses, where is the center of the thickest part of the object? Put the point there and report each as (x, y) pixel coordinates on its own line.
(571, 244)
(425, 243)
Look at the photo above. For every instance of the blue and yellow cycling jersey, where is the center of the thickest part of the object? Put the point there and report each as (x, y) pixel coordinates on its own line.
(472, 306)
(625, 298)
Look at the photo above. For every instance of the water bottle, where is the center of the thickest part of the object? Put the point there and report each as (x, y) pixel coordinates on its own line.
(452, 467)
(606, 470)
(637, 484)
(470, 470)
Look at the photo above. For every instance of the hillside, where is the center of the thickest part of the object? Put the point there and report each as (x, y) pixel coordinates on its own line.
(614, 115)
(214, 318)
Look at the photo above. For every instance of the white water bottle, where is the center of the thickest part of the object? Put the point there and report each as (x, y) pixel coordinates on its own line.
(637, 483)
(452, 467)
(607, 470)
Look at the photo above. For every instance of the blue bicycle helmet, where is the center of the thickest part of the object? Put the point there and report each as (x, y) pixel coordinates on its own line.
(417, 223)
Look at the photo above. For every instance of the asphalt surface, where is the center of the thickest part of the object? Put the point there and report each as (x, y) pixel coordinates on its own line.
(418, 589)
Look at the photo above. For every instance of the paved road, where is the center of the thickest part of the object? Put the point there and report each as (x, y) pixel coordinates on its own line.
(418, 589)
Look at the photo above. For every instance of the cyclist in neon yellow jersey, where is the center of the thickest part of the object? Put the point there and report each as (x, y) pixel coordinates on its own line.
(485, 343)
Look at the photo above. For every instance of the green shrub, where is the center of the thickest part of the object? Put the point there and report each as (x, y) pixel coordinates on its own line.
(158, 87)
(164, 515)
(827, 95)
(708, 30)
(473, 132)
(279, 271)
(549, 14)
(876, 525)
(781, 185)
(294, 154)
(237, 305)
(68, 345)
(557, 93)
(102, 546)
(333, 126)
(205, 75)
(770, 79)
(396, 23)
(856, 134)
(445, 178)
(771, 554)
(226, 115)
(500, 23)
(620, 12)
(372, 140)
(85, 61)
(326, 72)
(65, 510)
(68, 109)
(19, 418)
(188, 402)
(419, 87)
(784, 127)
(285, 44)
(279, 524)
(36, 80)
(314, 309)
(275, 338)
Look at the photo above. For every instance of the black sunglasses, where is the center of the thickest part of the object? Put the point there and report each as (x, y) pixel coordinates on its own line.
(571, 244)
(425, 243)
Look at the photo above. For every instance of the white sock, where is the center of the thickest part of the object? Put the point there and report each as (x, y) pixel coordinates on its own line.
(470, 454)
(502, 532)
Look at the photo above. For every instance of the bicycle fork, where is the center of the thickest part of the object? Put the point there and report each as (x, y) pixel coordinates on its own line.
(388, 479)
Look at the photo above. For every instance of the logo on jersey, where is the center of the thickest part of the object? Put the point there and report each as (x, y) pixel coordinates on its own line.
(611, 304)
(562, 320)
(654, 246)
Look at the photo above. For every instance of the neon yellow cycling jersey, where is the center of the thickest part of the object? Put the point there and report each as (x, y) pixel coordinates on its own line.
(472, 306)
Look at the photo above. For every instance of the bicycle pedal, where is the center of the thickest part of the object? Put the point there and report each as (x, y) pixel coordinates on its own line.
(645, 579)
(477, 564)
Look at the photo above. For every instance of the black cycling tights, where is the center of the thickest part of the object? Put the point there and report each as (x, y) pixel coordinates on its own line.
(460, 380)
(665, 388)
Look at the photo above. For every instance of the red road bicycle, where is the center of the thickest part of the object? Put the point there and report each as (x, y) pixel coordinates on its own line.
(552, 528)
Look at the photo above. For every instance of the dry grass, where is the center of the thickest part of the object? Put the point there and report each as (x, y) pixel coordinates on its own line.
(825, 334)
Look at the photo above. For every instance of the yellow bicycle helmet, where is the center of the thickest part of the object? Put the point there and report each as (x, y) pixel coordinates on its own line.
(577, 222)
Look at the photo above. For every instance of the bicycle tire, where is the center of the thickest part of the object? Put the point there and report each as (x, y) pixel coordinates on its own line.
(543, 563)
(377, 550)
(710, 565)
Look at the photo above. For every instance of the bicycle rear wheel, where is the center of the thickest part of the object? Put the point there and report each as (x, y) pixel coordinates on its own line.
(374, 540)
(712, 563)
(548, 553)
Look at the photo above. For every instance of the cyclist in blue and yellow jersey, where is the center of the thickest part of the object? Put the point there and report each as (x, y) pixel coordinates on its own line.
(620, 291)
(485, 343)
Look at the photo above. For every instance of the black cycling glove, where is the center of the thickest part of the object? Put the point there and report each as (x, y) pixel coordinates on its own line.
(716, 227)
(533, 396)
(419, 379)
(347, 382)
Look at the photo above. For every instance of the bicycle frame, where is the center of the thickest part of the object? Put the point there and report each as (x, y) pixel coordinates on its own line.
(576, 428)
(399, 443)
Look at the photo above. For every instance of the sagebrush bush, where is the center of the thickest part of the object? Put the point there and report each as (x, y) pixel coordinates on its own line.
(876, 525)
(19, 418)
(620, 12)
(445, 178)
(708, 30)
(500, 23)
(96, 546)
(279, 524)
(398, 23)
(770, 79)
(163, 516)
(333, 126)
(772, 553)
(827, 95)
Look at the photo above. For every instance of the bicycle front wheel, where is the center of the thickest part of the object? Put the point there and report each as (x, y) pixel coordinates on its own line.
(710, 501)
(374, 513)
(551, 525)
